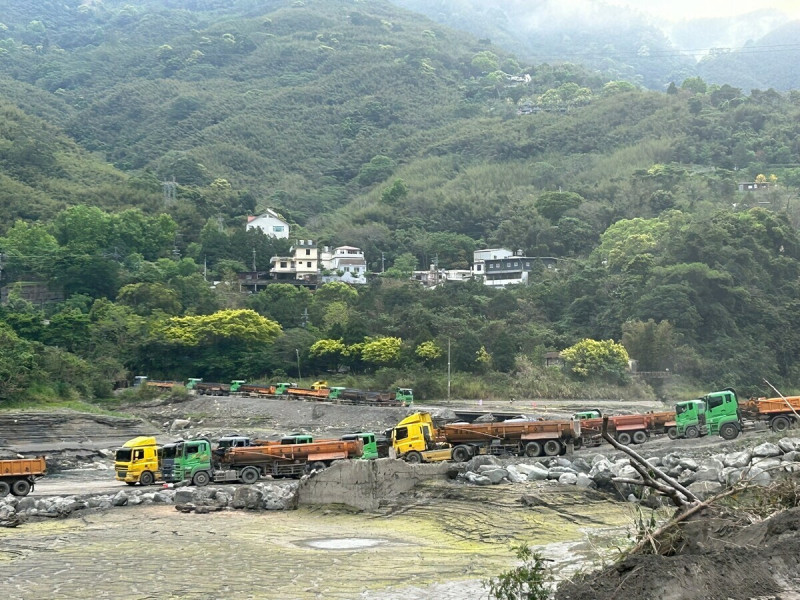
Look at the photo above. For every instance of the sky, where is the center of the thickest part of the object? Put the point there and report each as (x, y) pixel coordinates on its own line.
(677, 10)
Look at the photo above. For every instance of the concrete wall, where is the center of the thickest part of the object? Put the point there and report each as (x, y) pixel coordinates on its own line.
(363, 484)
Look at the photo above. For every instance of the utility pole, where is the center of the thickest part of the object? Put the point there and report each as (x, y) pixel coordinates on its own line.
(448, 369)
(383, 267)
(205, 268)
(298, 363)
(254, 259)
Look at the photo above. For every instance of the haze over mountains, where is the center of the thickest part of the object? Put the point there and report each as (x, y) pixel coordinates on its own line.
(753, 50)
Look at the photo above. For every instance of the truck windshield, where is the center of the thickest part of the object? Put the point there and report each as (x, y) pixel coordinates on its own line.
(681, 408)
(169, 451)
(123, 455)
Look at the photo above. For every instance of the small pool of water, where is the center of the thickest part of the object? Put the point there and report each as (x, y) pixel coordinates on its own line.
(345, 543)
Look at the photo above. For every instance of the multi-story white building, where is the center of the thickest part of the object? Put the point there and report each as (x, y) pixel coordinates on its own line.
(271, 223)
(302, 263)
(345, 263)
(479, 258)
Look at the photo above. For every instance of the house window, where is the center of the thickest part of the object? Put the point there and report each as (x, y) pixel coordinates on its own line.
(308, 264)
(277, 228)
(283, 264)
(516, 264)
(308, 252)
(347, 269)
(528, 264)
(477, 267)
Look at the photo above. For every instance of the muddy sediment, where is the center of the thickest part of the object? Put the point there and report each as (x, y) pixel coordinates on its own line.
(442, 536)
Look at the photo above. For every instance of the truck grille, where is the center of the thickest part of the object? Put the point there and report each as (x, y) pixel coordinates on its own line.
(122, 474)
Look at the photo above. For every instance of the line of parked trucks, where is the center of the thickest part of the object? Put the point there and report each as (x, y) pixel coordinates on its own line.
(415, 439)
(319, 390)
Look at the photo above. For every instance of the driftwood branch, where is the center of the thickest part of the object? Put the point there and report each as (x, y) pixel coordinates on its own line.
(638, 458)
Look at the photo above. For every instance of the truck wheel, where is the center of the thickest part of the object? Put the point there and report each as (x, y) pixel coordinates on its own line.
(639, 437)
(130, 483)
(577, 443)
(318, 466)
(729, 431)
(21, 487)
(414, 457)
(624, 438)
(461, 453)
(778, 424)
(201, 478)
(4, 488)
(552, 447)
(672, 432)
(146, 478)
(692, 432)
(249, 475)
(533, 449)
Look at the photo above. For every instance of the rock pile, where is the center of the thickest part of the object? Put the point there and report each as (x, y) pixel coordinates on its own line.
(703, 477)
(260, 496)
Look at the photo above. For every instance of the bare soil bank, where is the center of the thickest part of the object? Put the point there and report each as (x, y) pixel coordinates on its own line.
(716, 559)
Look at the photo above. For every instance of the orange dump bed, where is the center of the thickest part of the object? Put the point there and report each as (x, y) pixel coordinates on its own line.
(323, 393)
(23, 467)
(526, 430)
(322, 450)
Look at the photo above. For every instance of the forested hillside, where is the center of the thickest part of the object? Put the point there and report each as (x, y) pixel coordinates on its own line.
(367, 125)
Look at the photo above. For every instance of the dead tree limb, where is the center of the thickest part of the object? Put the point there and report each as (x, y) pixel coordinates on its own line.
(638, 458)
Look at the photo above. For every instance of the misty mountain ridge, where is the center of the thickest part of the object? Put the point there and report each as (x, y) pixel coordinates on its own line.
(622, 42)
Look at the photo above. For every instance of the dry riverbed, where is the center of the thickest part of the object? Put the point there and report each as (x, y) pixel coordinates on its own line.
(439, 541)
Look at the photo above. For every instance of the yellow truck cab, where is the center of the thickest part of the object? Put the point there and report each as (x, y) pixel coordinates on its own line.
(413, 440)
(138, 461)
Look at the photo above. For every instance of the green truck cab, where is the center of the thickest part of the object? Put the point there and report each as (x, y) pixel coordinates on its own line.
(716, 413)
(404, 395)
(187, 460)
(369, 441)
(588, 414)
(280, 388)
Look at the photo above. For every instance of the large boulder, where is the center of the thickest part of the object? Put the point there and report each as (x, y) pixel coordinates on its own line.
(767, 449)
(533, 472)
(788, 444)
(584, 481)
(478, 479)
(705, 489)
(120, 499)
(279, 497)
(496, 475)
(671, 460)
(709, 470)
(246, 497)
(738, 460)
(581, 465)
(514, 475)
(689, 463)
(484, 459)
(568, 479)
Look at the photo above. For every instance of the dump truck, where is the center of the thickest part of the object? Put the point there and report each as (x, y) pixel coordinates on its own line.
(780, 413)
(217, 389)
(194, 461)
(367, 398)
(626, 429)
(415, 439)
(18, 475)
(716, 413)
(369, 442)
(138, 461)
(257, 389)
(660, 422)
(298, 392)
